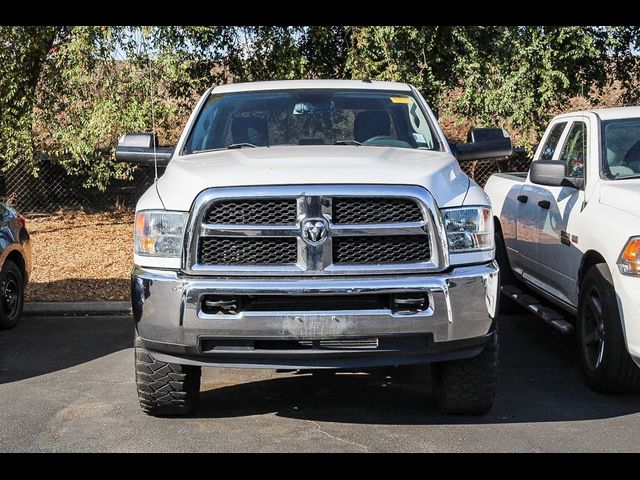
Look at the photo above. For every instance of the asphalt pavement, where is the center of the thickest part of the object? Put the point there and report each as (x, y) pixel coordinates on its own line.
(67, 385)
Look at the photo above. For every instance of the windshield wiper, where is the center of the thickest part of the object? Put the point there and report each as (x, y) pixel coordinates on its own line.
(346, 142)
(637, 175)
(241, 145)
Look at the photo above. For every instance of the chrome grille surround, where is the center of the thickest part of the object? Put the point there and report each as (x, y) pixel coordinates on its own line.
(315, 202)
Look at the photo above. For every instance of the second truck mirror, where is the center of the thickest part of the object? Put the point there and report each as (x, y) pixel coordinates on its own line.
(552, 173)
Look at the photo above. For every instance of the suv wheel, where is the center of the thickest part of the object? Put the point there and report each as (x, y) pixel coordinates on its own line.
(11, 295)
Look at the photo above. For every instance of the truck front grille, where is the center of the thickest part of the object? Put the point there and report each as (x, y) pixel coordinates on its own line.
(253, 212)
(363, 230)
(375, 210)
(376, 250)
(247, 251)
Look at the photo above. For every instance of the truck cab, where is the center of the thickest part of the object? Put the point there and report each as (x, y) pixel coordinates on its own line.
(568, 234)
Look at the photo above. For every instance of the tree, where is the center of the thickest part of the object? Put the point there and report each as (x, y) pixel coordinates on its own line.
(23, 52)
(524, 75)
(68, 93)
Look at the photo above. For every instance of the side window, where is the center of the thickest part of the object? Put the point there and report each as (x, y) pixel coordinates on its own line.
(574, 151)
(552, 141)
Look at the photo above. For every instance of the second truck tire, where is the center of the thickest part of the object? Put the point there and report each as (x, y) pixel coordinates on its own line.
(604, 358)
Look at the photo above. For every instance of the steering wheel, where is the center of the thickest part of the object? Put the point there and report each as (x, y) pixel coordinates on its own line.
(377, 138)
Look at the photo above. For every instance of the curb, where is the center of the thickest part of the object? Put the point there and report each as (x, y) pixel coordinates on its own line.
(76, 308)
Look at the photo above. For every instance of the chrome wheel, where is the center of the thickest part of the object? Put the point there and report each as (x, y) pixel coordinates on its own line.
(592, 331)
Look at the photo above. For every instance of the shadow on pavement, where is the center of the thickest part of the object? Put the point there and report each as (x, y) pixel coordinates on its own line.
(38, 346)
(539, 381)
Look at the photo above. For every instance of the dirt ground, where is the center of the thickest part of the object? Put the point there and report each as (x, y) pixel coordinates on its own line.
(81, 257)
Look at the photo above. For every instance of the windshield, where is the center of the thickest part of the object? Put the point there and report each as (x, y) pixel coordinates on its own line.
(311, 117)
(621, 148)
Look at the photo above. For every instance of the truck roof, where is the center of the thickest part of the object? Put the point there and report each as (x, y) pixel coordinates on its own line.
(609, 113)
(310, 84)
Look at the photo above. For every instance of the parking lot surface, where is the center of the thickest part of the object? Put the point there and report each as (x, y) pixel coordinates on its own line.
(67, 385)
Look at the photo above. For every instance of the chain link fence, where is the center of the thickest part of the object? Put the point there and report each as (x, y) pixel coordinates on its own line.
(54, 189)
(481, 170)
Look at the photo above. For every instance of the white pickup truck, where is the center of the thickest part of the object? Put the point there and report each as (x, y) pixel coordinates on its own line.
(568, 239)
(314, 224)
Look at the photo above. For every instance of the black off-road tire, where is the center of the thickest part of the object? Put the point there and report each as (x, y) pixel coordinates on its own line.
(467, 386)
(604, 359)
(165, 389)
(11, 295)
(506, 306)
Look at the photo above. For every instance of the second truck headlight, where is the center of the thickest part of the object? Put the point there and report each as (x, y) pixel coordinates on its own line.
(159, 233)
(469, 229)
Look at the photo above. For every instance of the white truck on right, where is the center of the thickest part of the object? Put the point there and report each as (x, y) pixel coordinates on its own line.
(568, 240)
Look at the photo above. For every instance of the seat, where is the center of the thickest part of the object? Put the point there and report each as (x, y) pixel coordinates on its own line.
(370, 124)
(632, 157)
(250, 130)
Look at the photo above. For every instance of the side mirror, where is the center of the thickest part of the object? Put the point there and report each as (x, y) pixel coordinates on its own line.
(552, 173)
(140, 148)
(484, 143)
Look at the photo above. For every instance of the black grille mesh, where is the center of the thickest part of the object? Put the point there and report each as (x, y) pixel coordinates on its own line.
(253, 212)
(247, 251)
(355, 210)
(383, 249)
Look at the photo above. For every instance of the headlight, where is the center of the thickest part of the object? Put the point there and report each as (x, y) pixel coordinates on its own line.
(629, 261)
(159, 233)
(469, 229)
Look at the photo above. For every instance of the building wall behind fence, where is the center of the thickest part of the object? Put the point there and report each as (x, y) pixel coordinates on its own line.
(54, 190)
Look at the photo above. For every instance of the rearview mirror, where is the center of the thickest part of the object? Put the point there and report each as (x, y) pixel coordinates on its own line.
(484, 143)
(141, 148)
(553, 174)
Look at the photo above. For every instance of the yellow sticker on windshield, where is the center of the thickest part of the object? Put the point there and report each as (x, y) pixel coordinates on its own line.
(401, 99)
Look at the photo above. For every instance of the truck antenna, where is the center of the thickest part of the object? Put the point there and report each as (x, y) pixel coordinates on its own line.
(153, 118)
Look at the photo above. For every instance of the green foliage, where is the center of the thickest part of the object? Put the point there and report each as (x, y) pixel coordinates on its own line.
(23, 50)
(525, 75)
(68, 93)
(423, 56)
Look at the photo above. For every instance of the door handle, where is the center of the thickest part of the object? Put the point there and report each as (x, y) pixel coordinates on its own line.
(523, 198)
(546, 204)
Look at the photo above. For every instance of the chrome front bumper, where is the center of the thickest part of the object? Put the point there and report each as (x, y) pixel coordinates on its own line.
(171, 323)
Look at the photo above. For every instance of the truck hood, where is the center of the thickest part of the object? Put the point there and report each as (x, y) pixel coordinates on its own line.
(623, 195)
(187, 176)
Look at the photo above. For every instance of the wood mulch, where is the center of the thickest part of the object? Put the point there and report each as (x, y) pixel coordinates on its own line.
(81, 257)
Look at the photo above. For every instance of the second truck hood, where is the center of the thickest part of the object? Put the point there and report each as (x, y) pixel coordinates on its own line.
(187, 176)
(623, 195)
